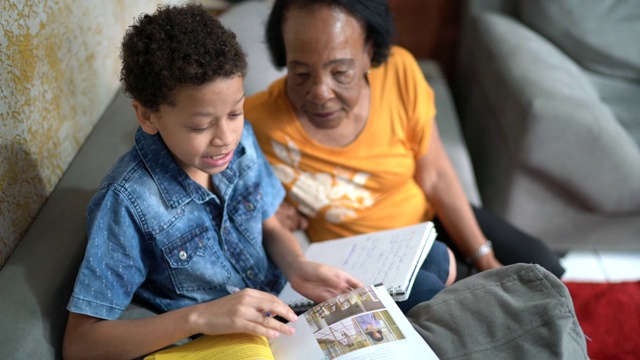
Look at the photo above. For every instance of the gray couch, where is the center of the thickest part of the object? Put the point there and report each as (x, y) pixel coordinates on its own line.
(37, 280)
(548, 94)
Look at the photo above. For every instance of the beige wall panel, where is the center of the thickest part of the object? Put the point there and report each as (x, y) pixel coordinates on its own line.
(59, 69)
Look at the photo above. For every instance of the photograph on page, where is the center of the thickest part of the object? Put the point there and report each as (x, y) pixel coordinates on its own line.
(362, 324)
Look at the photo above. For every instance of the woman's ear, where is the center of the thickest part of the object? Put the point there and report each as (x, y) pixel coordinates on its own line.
(146, 118)
(368, 53)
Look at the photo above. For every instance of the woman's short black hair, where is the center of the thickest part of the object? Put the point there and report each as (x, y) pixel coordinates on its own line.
(177, 46)
(373, 14)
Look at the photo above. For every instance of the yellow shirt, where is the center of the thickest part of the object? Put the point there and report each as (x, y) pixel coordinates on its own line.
(369, 184)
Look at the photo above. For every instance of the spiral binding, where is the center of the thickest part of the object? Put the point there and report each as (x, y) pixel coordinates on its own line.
(396, 291)
(304, 305)
(301, 306)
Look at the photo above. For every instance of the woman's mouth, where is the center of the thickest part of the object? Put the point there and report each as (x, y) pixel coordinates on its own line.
(323, 115)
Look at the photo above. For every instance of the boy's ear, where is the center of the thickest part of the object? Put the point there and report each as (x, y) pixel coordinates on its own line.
(146, 118)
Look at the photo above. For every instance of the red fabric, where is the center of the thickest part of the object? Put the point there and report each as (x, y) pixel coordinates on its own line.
(609, 314)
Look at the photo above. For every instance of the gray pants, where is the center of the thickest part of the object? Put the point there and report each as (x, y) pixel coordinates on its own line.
(516, 312)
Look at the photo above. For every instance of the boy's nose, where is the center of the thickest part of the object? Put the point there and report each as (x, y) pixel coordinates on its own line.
(223, 135)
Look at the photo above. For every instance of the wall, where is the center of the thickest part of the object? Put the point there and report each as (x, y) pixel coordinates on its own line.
(429, 29)
(59, 69)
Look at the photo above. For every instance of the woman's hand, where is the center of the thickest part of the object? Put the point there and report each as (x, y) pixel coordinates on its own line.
(290, 218)
(320, 282)
(487, 262)
(440, 183)
(247, 311)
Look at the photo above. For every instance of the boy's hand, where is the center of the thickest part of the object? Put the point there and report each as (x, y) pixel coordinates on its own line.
(247, 311)
(320, 282)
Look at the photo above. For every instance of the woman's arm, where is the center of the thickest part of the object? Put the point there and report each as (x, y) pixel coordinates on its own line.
(291, 218)
(87, 337)
(436, 176)
(316, 281)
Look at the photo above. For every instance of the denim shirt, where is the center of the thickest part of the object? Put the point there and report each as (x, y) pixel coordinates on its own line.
(156, 234)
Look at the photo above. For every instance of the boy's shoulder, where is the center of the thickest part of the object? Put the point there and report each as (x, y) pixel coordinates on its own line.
(124, 168)
(131, 184)
(128, 180)
(147, 161)
(248, 139)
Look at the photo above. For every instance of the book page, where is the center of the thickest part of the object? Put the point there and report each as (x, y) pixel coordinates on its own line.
(221, 347)
(389, 257)
(364, 324)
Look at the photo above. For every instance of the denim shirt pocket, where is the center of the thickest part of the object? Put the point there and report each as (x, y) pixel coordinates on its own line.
(194, 263)
(246, 213)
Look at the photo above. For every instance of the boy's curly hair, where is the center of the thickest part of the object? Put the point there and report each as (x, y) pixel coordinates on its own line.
(177, 46)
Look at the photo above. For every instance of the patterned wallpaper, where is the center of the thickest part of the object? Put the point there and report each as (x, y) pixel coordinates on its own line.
(59, 69)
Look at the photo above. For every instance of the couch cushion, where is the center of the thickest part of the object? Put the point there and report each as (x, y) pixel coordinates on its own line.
(623, 97)
(547, 109)
(601, 35)
(248, 20)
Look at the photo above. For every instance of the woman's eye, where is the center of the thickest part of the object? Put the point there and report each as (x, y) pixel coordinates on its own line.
(342, 76)
(300, 78)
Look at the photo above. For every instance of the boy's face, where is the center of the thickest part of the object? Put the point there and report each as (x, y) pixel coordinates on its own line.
(204, 128)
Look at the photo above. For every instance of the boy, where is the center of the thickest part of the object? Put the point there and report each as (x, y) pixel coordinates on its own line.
(185, 220)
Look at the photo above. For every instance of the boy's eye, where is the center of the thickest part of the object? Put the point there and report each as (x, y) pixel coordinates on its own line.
(200, 129)
(235, 115)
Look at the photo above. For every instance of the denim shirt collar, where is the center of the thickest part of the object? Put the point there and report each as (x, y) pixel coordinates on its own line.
(174, 184)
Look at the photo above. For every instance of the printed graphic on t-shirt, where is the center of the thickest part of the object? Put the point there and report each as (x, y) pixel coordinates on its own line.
(338, 194)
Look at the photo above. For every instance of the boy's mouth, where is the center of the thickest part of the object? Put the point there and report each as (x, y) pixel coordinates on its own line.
(215, 157)
(218, 160)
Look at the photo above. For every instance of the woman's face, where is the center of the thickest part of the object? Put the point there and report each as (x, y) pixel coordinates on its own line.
(327, 59)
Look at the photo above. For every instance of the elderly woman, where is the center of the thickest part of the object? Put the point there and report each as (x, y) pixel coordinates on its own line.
(351, 133)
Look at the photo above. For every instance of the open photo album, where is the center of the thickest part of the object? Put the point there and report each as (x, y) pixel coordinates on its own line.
(363, 324)
(390, 257)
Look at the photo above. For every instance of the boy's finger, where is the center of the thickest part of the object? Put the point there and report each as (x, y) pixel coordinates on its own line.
(280, 308)
(281, 327)
(354, 283)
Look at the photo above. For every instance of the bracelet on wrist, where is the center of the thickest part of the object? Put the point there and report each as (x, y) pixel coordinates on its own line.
(483, 250)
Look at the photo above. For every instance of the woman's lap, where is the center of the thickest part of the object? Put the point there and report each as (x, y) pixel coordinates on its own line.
(430, 278)
(510, 244)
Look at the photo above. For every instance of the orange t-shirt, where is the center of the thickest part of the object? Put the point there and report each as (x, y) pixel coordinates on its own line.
(368, 185)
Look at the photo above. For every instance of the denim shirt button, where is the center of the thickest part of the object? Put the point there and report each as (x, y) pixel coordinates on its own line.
(250, 274)
(249, 206)
(182, 255)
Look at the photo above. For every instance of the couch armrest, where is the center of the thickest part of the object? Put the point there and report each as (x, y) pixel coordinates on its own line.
(450, 131)
(544, 109)
(38, 278)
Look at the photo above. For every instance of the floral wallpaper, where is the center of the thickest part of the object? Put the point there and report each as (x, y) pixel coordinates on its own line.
(59, 69)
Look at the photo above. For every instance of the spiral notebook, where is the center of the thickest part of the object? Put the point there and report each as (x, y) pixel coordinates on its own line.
(391, 257)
